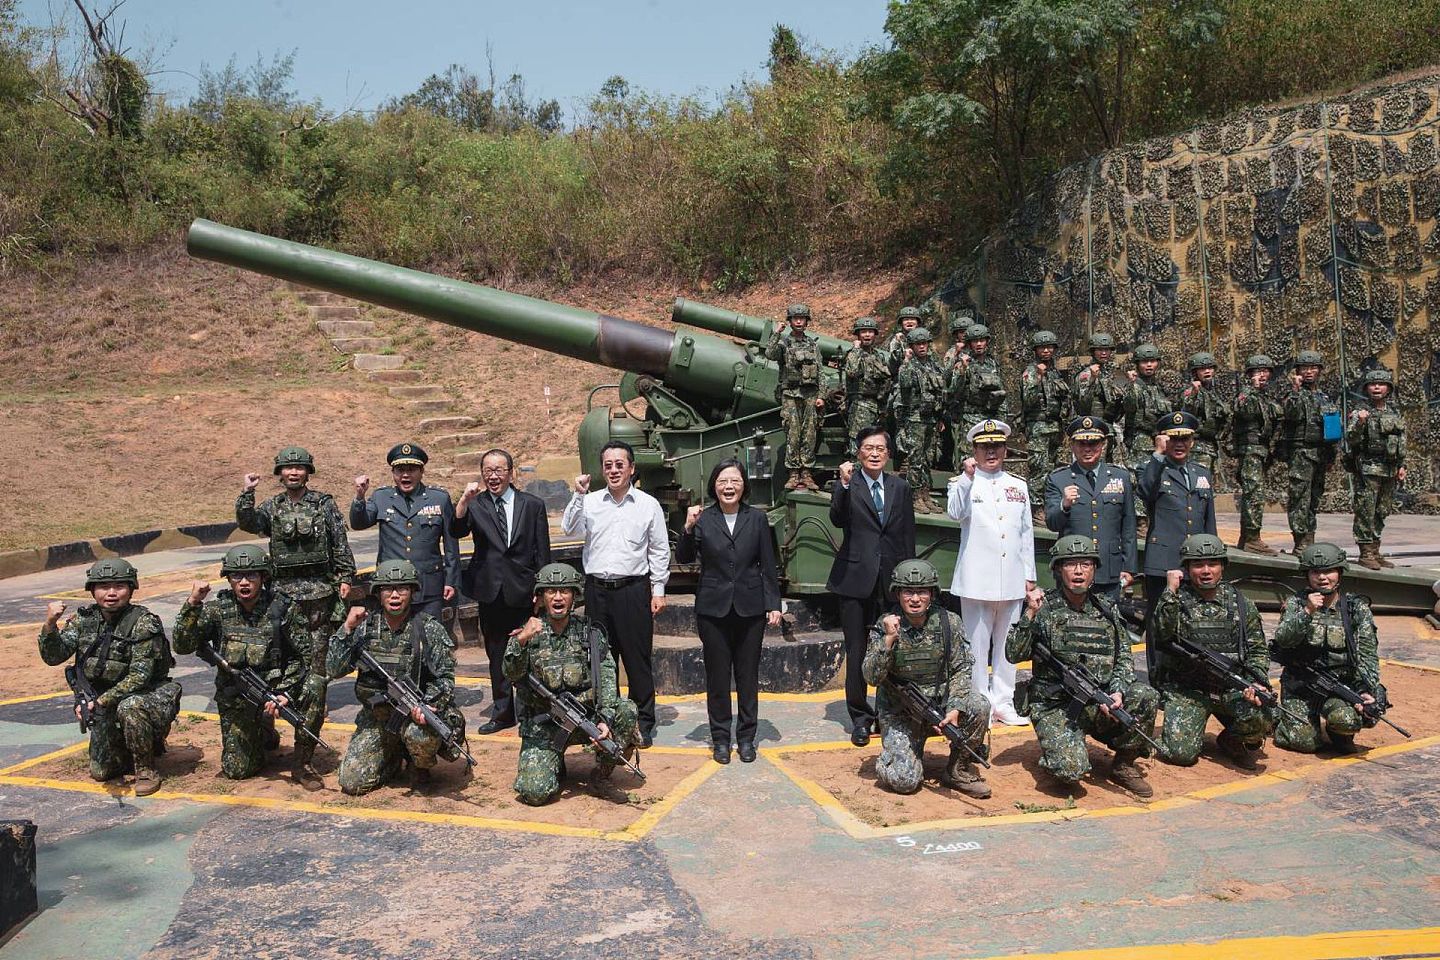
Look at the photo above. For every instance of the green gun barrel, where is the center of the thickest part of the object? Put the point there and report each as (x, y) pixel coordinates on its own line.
(743, 326)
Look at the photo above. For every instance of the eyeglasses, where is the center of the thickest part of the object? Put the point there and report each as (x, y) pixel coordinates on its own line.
(494, 471)
(875, 448)
(250, 575)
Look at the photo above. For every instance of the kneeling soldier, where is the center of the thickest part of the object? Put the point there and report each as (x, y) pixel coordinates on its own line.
(568, 654)
(1204, 612)
(1086, 635)
(405, 643)
(925, 645)
(250, 627)
(1323, 628)
(121, 674)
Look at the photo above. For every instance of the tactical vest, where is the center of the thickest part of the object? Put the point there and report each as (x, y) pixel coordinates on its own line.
(1211, 625)
(1254, 420)
(566, 667)
(1309, 431)
(1086, 637)
(1337, 647)
(799, 364)
(105, 659)
(252, 641)
(918, 656)
(1376, 448)
(866, 375)
(1105, 397)
(984, 387)
(923, 383)
(1209, 409)
(299, 535)
(401, 652)
(1043, 398)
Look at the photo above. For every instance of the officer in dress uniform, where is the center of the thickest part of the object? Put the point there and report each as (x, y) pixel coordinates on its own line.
(1095, 499)
(414, 525)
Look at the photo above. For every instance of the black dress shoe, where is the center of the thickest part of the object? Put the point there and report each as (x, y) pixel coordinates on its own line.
(646, 741)
(860, 736)
(721, 752)
(747, 751)
(494, 726)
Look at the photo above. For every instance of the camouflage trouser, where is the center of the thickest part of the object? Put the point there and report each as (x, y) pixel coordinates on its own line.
(1043, 440)
(245, 735)
(1061, 726)
(802, 430)
(1250, 471)
(1373, 501)
(127, 733)
(860, 412)
(901, 766)
(1307, 483)
(1186, 711)
(1206, 453)
(324, 614)
(375, 754)
(1338, 716)
(918, 440)
(1115, 451)
(538, 780)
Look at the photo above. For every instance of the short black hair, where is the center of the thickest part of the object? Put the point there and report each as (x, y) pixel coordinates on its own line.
(875, 431)
(497, 452)
(721, 467)
(618, 445)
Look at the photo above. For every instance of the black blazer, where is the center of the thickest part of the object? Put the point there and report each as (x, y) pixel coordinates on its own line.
(500, 573)
(870, 550)
(736, 573)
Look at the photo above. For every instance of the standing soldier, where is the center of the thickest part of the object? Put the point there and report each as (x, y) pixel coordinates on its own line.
(1202, 399)
(414, 525)
(1207, 613)
(957, 326)
(407, 642)
(1376, 460)
(925, 645)
(1145, 403)
(250, 626)
(865, 376)
(976, 389)
(1305, 446)
(918, 398)
(799, 394)
(1253, 431)
(1044, 406)
(1098, 395)
(898, 347)
(122, 656)
(1095, 499)
(311, 564)
(1080, 628)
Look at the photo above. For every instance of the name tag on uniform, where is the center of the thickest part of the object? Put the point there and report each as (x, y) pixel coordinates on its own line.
(1115, 485)
(1202, 483)
(1016, 496)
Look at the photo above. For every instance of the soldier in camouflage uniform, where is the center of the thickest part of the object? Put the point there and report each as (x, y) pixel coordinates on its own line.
(120, 648)
(1081, 627)
(1253, 426)
(405, 642)
(1305, 447)
(898, 346)
(560, 647)
(1044, 408)
(1322, 627)
(924, 643)
(1210, 408)
(1097, 394)
(917, 401)
(1145, 403)
(312, 565)
(1376, 460)
(799, 394)
(250, 626)
(865, 377)
(956, 326)
(1211, 614)
(975, 390)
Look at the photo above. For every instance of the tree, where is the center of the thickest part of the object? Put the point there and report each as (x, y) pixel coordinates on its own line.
(784, 52)
(460, 96)
(268, 85)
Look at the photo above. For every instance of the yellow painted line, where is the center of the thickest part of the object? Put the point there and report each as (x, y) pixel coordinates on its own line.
(822, 798)
(1410, 666)
(1316, 946)
(34, 697)
(46, 757)
(683, 789)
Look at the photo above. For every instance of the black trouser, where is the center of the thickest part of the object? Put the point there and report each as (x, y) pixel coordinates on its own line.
(732, 647)
(496, 622)
(435, 606)
(856, 618)
(624, 612)
(1154, 586)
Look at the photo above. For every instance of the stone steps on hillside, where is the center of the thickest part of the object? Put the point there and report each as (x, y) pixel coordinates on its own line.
(427, 406)
(377, 361)
(394, 376)
(467, 458)
(438, 424)
(321, 311)
(346, 328)
(457, 441)
(360, 344)
(418, 391)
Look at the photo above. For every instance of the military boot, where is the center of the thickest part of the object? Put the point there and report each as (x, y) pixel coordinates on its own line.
(1251, 542)
(1037, 517)
(1234, 748)
(1306, 540)
(808, 481)
(420, 777)
(793, 483)
(147, 782)
(960, 774)
(1343, 743)
(1127, 775)
(1383, 562)
(1370, 556)
(1142, 527)
(307, 776)
(270, 735)
(918, 500)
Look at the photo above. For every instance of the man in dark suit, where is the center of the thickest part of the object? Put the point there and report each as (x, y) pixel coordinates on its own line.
(414, 525)
(873, 508)
(512, 542)
(1095, 499)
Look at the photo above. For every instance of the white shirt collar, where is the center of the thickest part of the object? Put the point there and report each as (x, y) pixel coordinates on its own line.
(629, 494)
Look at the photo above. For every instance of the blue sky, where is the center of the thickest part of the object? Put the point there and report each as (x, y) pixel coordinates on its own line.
(357, 53)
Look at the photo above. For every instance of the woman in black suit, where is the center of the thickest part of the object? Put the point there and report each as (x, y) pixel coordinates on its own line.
(739, 592)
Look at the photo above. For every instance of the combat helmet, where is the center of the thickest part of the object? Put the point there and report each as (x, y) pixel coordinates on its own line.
(1146, 351)
(294, 457)
(914, 573)
(1044, 338)
(797, 310)
(246, 558)
(554, 575)
(959, 322)
(1102, 341)
(1202, 359)
(395, 573)
(909, 313)
(1202, 546)
(1378, 375)
(866, 323)
(919, 335)
(1309, 358)
(977, 331)
(1322, 556)
(1074, 547)
(112, 570)
(1259, 361)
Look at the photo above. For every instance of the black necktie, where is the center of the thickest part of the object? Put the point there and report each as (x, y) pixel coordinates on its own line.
(1090, 478)
(500, 520)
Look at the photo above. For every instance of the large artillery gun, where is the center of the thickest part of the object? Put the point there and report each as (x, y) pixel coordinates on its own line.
(686, 401)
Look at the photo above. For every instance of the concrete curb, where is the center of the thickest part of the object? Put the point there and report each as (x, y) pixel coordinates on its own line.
(17, 563)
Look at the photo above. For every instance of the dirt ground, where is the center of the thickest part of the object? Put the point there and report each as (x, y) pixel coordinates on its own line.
(191, 764)
(849, 774)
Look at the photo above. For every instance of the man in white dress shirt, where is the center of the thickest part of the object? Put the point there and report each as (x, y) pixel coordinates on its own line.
(627, 562)
(995, 569)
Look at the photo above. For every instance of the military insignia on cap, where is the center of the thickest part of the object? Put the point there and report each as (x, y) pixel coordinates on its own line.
(405, 448)
(1179, 418)
(1087, 422)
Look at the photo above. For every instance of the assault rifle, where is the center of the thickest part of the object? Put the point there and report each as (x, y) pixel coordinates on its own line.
(1234, 675)
(84, 695)
(569, 714)
(923, 711)
(404, 697)
(1083, 688)
(253, 688)
(1325, 682)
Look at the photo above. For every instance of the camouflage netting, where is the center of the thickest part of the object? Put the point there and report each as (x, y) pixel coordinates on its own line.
(1275, 230)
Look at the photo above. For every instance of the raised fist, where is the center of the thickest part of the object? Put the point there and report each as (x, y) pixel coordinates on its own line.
(362, 484)
(1162, 443)
(582, 483)
(252, 480)
(199, 590)
(54, 612)
(355, 617)
(1069, 495)
(472, 490)
(1314, 601)
(1040, 368)
(1131, 375)
(529, 631)
(1362, 415)
(969, 466)
(846, 471)
(1296, 380)
(692, 517)
(1172, 580)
